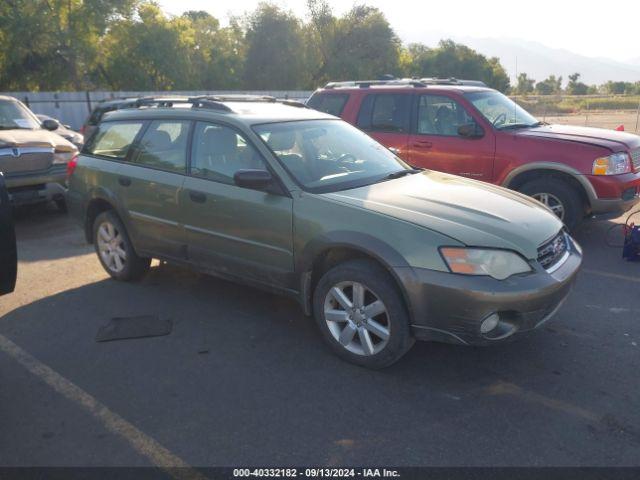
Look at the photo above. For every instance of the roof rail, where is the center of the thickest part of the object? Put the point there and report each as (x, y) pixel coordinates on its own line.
(369, 83)
(215, 102)
(452, 81)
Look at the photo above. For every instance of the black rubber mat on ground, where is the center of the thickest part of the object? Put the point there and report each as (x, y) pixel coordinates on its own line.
(122, 328)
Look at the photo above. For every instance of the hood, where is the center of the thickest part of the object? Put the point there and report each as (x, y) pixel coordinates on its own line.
(34, 138)
(472, 212)
(610, 139)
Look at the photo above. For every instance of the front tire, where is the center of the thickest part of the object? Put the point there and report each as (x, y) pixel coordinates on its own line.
(362, 315)
(114, 249)
(559, 196)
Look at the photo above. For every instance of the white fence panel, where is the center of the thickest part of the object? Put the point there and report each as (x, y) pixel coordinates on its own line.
(72, 108)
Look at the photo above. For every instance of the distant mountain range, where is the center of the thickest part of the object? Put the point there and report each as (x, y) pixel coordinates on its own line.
(539, 61)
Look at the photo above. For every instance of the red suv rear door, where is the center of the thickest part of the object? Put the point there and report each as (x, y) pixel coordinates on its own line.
(435, 142)
(387, 118)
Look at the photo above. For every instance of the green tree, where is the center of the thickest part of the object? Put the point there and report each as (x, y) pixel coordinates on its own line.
(524, 85)
(452, 59)
(52, 44)
(549, 86)
(217, 55)
(151, 52)
(275, 50)
(575, 87)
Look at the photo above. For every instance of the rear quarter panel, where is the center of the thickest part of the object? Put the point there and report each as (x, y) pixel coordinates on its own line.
(93, 178)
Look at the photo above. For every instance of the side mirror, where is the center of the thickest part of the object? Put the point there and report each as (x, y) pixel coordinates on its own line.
(255, 179)
(50, 124)
(471, 130)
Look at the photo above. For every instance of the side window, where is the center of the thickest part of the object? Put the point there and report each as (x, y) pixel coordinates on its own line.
(331, 103)
(164, 145)
(440, 115)
(385, 113)
(218, 152)
(113, 139)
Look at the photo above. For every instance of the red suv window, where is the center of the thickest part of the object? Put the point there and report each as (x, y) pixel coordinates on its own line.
(385, 112)
(333, 104)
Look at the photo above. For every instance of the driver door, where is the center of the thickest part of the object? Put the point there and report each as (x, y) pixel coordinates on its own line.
(230, 229)
(435, 143)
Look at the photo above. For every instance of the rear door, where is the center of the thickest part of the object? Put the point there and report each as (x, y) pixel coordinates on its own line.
(436, 144)
(387, 118)
(8, 257)
(238, 231)
(150, 185)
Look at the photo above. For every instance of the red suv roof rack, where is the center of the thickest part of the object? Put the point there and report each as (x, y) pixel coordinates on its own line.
(369, 83)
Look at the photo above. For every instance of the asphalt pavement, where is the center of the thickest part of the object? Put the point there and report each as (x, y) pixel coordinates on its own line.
(244, 378)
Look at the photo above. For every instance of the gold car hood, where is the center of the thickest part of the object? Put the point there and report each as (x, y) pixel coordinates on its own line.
(34, 138)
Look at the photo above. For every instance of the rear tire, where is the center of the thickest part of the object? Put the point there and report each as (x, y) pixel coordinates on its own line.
(560, 196)
(114, 249)
(369, 328)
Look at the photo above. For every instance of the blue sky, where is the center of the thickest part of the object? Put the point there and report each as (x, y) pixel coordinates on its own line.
(600, 29)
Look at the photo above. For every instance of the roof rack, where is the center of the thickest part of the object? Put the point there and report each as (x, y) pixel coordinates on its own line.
(452, 81)
(215, 102)
(370, 83)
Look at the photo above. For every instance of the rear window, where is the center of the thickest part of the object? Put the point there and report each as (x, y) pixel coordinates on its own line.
(333, 104)
(385, 113)
(113, 139)
(164, 146)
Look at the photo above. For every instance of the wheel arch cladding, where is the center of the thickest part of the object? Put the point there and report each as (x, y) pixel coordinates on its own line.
(323, 253)
(522, 177)
(95, 207)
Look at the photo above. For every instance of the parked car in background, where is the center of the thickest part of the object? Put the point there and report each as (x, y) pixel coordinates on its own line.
(8, 253)
(64, 131)
(33, 159)
(304, 204)
(470, 130)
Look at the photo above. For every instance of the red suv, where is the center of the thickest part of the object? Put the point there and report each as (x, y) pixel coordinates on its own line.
(465, 128)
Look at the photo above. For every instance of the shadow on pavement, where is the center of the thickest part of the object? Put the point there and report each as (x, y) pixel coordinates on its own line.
(245, 379)
(45, 233)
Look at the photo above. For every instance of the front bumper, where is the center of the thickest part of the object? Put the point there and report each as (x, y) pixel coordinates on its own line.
(37, 187)
(450, 308)
(616, 193)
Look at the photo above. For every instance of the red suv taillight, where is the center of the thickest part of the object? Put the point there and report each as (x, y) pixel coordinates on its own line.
(71, 166)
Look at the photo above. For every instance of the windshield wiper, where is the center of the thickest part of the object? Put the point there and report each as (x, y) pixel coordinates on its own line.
(518, 125)
(402, 173)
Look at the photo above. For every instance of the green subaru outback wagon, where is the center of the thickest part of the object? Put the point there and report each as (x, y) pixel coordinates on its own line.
(279, 196)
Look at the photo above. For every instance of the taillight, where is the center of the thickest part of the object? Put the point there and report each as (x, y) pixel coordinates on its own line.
(82, 129)
(71, 166)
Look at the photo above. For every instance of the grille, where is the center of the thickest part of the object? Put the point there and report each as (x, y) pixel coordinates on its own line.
(552, 251)
(635, 158)
(28, 159)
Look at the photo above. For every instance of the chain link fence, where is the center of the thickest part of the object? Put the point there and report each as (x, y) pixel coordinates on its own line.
(604, 111)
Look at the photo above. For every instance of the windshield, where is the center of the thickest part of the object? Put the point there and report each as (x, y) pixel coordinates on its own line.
(501, 111)
(330, 155)
(15, 115)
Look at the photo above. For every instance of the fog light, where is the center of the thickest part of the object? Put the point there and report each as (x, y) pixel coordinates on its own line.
(489, 323)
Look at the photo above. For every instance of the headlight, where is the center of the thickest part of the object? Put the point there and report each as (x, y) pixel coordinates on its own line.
(613, 164)
(499, 264)
(62, 157)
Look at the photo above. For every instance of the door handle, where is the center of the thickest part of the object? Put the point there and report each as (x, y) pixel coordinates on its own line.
(422, 144)
(197, 197)
(124, 181)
